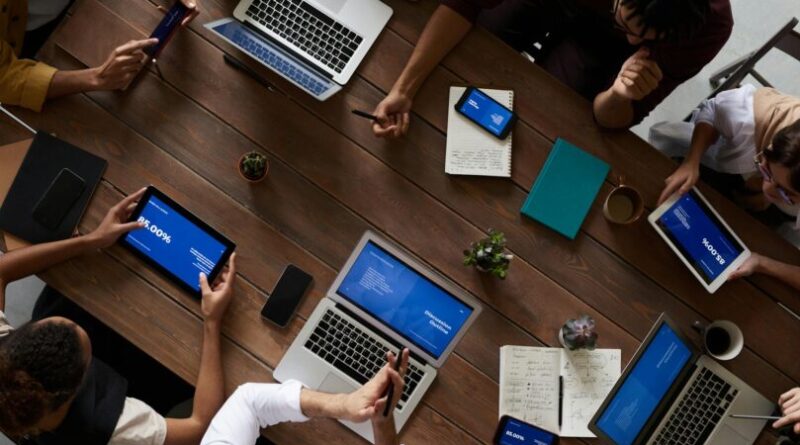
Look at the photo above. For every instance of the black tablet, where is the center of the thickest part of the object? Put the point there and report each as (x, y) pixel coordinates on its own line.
(176, 242)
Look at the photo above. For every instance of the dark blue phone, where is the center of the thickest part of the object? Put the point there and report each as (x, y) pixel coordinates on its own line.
(513, 431)
(166, 29)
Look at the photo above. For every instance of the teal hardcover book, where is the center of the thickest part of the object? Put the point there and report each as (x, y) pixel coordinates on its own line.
(564, 191)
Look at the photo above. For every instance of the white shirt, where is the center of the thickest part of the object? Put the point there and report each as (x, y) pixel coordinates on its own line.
(250, 408)
(139, 424)
(42, 12)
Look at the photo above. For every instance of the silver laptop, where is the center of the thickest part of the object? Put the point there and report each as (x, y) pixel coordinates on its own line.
(314, 44)
(670, 394)
(382, 300)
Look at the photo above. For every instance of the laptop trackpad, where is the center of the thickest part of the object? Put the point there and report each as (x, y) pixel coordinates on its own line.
(728, 436)
(335, 385)
(334, 6)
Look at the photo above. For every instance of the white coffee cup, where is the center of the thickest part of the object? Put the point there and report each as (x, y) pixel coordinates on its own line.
(722, 339)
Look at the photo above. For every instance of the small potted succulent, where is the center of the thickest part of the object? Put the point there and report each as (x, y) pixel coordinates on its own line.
(578, 334)
(253, 166)
(489, 255)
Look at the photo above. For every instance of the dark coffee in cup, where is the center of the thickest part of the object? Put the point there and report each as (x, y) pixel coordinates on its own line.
(623, 205)
(718, 341)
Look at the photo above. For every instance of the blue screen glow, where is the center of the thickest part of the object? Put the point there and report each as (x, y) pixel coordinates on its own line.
(486, 112)
(702, 241)
(645, 386)
(519, 433)
(411, 304)
(175, 243)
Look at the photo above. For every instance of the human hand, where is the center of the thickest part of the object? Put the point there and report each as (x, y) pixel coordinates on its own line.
(393, 115)
(638, 77)
(749, 267)
(681, 180)
(368, 401)
(216, 298)
(122, 65)
(189, 17)
(115, 223)
(790, 408)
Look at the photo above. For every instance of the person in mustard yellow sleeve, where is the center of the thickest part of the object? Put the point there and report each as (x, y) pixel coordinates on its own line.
(25, 25)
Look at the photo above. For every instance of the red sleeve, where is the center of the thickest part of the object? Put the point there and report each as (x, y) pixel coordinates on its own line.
(682, 61)
(470, 9)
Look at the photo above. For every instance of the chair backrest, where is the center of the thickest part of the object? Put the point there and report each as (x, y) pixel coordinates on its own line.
(787, 40)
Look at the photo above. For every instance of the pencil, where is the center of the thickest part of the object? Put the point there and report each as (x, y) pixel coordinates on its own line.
(365, 115)
(390, 389)
(747, 416)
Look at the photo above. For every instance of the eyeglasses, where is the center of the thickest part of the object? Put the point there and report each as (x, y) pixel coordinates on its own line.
(760, 162)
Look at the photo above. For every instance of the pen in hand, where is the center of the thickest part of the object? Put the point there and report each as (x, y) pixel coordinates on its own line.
(366, 115)
(390, 390)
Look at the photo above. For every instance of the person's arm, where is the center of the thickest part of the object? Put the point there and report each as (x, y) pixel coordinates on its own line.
(790, 408)
(443, 31)
(255, 406)
(210, 388)
(688, 173)
(758, 263)
(638, 77)
(27, 261)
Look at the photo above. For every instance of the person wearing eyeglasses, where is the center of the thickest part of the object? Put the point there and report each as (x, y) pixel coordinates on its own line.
(625, 56)
(747, 142)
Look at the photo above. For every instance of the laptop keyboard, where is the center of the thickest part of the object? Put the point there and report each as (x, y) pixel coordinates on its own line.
(355, 352)
(278, 62)
(307, 28)
(698, 412)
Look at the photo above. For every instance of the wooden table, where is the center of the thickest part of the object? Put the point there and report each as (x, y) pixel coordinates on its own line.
(330, 180)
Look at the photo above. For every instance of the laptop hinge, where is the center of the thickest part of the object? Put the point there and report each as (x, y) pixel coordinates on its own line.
(380, 334)
(288, 50)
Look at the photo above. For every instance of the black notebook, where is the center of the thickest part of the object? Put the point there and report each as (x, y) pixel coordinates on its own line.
(51, 190)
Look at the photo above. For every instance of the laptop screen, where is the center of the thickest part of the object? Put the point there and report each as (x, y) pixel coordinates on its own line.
(408, 302)
(644, 387)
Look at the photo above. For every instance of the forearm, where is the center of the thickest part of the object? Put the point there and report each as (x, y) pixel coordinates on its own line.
(612, 110)
(210, 392)
(787, 273)
(71, 82)
(27, 261)
(703, 136)
(320, 404)
(442, 33)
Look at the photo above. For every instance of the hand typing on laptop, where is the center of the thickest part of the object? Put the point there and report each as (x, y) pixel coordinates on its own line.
(255, 406)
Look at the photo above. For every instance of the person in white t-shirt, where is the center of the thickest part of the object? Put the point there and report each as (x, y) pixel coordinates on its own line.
(753, 133)
(52, 391)
(255, 406)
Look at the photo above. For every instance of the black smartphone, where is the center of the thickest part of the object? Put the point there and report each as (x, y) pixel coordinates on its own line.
(59, 198)
(513, 431)
(166, 29)
(486, 112)
(286, 296)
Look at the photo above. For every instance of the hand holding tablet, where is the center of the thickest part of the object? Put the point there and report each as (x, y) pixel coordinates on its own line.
(700, 238)
(175, 242)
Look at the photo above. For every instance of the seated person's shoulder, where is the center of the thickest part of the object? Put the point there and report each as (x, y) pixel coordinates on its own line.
(139, 424)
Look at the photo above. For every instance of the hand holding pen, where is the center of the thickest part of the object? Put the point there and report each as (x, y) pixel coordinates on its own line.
(383, 418)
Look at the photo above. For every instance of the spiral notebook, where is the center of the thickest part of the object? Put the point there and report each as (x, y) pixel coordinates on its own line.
(472, 150)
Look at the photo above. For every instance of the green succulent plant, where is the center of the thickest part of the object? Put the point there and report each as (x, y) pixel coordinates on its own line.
(253, 165)
(489, 255)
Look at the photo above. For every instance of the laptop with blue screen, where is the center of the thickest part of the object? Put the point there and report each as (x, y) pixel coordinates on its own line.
(383, 299)
(670, 394)
(314, 44)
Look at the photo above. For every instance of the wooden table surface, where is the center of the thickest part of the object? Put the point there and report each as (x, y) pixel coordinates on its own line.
(330, 180)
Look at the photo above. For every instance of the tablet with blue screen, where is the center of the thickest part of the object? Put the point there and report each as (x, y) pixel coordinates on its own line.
(700, 238)
(175, 242)
(511, 431)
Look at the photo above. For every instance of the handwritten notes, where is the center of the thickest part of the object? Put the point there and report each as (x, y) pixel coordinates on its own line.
(529, 386)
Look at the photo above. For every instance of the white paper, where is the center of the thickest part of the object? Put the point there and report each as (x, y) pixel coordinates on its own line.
(472, 150)
(588, 377)
(529, 385)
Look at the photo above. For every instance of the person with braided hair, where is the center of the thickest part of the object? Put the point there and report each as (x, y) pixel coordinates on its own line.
(52, 389)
